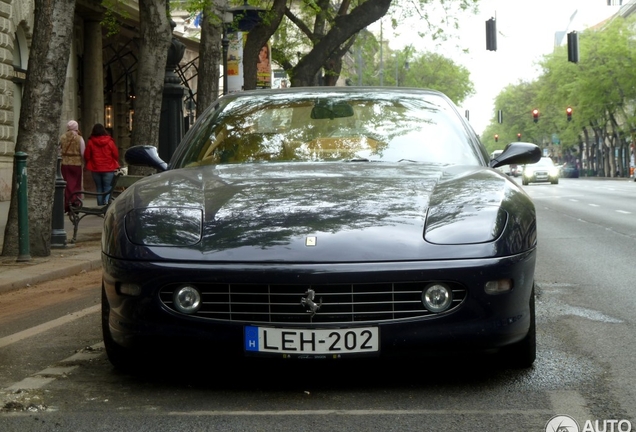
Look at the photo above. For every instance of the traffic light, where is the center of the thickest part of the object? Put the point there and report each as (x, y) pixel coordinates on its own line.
(568, 111)
(518, 137)
(573, 47)
(491, 35)
(496, 138)
(535, 115)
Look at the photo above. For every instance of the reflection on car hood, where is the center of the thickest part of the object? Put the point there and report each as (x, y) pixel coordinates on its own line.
(327, 212)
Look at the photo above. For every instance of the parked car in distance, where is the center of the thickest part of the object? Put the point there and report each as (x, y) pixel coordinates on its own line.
(322, 223)
(569, 170)
(542, 171)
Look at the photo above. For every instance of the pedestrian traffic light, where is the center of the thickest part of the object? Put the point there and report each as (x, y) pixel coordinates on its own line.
(496, 138)
(568, 111)
(491, 35)
(535, 115)
(518, 137)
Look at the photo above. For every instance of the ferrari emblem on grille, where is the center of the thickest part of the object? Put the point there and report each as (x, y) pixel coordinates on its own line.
(310, 241)
(308, 302)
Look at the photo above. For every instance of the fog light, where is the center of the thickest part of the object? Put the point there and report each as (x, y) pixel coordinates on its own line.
(187, 299)
(129, 289)
(437, 297)
(498, 286)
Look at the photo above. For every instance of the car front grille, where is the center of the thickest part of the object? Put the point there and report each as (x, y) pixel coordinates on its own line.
(282, 304)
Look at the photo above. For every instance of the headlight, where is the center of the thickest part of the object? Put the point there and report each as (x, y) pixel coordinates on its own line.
(554, 172)
(465, 224)
(186, 299)
(437, 297)
(164, 226)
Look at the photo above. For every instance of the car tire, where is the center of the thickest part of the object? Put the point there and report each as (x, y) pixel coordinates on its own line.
(524, 182)
(120, 357)
(555, 181)
(522, 354)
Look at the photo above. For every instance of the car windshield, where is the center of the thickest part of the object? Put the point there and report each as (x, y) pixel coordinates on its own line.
(329, 126)
(545, 162)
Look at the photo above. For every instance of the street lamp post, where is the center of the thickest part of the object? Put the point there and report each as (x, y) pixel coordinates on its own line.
(225, 43)
(171, 122)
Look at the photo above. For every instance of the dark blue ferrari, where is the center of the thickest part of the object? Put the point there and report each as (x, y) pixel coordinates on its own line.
(323, 223)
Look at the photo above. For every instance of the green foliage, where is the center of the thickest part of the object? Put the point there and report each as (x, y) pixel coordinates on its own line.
(407, 68)
(113, 10)
(293, 40)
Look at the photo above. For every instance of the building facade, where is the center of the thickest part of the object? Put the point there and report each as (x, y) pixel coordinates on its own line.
(16, 26)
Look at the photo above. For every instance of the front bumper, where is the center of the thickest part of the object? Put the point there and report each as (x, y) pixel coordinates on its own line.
(481, 322)
(540, 177)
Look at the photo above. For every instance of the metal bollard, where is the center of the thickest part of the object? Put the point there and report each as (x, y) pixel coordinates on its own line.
(58, 234)
(23, 209)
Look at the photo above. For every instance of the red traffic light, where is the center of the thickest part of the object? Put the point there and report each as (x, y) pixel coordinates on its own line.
(568, 111)
(496, 138)
(535, 115)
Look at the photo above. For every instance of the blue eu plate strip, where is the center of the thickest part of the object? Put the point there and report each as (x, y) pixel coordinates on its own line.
(251, 338)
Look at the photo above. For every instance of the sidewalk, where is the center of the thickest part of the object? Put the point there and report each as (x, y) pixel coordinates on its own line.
(84, 255)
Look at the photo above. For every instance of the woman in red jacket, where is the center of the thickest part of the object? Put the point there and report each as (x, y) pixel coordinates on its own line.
(102, 160)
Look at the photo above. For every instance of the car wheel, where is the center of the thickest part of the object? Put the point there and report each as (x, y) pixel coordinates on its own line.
(555, 181)
(523, 353)
(122, 358)
(524, 182)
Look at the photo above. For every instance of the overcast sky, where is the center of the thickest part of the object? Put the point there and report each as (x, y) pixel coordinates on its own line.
(526, 30)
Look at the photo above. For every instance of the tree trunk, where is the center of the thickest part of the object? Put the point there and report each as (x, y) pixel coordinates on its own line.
(343, 28)
(209, 56)
(257, 38)
(39, 126)
(611, 156)
(588, 152)
(155, 38)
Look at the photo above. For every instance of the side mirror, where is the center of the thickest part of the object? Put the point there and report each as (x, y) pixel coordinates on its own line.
(145, 155)
(517, 153)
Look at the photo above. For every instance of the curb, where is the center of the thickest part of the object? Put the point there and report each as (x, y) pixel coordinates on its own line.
(27, 274)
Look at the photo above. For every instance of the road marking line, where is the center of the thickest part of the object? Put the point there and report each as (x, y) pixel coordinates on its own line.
(50, 374)
(574, 200)
(532, 412)
(593, 205)
(623, 211)
(16, 337)
(31, 383)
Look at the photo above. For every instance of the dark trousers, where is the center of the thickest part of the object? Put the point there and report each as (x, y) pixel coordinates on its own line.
(103, 181)
(72, 175)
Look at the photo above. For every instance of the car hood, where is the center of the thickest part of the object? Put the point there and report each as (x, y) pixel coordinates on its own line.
(320, 212)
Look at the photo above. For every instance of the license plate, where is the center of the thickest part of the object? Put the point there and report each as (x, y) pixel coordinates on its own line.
(315, 342)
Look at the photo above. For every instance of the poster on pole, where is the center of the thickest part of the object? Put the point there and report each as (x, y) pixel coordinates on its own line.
(264, 68)
(235, 62)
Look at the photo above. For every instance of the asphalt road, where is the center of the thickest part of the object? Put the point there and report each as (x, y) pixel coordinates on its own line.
(54, 375)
